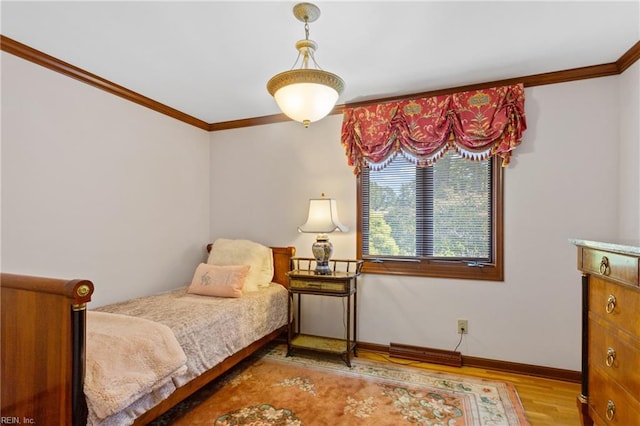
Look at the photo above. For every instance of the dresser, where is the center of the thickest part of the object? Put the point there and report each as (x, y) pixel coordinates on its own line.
(610, 393)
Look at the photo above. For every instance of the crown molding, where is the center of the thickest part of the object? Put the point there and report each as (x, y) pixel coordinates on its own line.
(629, 58)
(30, 54)
(528, 81)
(582, 73)
(37, 57)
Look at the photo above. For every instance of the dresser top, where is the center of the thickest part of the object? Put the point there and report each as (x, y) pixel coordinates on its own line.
(621, 246)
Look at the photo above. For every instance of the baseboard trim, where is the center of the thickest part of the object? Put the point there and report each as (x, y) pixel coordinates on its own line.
(430, 355)
(497, 365)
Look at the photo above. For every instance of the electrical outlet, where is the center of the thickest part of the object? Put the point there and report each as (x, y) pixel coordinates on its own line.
(463, 326)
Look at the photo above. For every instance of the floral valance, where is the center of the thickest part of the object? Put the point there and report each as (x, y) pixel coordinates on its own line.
(478, 124)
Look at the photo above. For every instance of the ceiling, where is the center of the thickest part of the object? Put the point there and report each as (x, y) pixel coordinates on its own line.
(212, 60)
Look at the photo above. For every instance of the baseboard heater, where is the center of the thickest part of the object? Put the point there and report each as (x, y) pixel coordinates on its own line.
(417, 353)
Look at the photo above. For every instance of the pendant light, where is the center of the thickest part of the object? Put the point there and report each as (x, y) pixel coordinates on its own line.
(306, 94)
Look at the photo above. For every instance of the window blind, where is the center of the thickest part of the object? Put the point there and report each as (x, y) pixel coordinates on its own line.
(442, 211)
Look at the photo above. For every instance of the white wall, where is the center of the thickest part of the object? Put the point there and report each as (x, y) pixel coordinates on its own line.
(263, 177)
(560, 185)
(629, 90)
(97, 187)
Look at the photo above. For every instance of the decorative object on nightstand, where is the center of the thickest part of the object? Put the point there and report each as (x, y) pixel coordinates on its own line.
(322, 219)
(306, 94)
(341, 281)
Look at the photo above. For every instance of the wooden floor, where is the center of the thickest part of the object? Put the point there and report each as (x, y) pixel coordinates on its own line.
(546, 402)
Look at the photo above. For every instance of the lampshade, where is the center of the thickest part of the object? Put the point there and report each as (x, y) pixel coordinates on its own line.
(323, 217)
(306, 94)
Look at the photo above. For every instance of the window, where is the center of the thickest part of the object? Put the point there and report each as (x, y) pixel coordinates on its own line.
(444, 220)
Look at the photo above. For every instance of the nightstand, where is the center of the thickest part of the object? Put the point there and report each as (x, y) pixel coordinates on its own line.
(341, 282)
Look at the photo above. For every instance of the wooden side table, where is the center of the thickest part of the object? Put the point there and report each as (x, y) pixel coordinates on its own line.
(341, 282)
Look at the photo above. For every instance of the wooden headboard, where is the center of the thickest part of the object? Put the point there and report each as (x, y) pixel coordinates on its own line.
(281, 262)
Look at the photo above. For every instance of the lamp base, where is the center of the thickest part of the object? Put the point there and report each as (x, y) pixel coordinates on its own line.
(322, 250)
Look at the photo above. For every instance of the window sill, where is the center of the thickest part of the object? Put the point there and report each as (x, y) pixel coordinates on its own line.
(489, 272)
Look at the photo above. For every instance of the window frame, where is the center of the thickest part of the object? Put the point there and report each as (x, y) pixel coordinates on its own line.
(439, 268)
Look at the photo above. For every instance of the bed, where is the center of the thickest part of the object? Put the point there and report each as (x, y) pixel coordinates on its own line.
(47, 331)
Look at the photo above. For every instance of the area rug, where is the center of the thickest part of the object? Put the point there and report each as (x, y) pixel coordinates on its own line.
(272, 389)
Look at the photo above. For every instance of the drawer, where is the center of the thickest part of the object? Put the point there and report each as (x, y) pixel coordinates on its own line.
(617, 304)
(625, 410)
(320, 286)
(618, 358)
(614, 266)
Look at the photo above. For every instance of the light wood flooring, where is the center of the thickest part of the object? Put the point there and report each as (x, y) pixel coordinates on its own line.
(546, 402)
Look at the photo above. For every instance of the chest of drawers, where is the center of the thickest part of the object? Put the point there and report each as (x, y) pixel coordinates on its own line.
(611, 333)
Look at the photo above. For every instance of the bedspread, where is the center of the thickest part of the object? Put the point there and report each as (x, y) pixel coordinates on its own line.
(210, 329)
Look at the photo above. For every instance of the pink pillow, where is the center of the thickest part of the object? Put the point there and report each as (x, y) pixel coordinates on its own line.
(220, 281)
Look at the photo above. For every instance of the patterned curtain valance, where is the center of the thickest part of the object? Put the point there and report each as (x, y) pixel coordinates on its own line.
(478, 124)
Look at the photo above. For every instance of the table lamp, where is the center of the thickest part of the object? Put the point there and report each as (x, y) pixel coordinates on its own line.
(322, 219)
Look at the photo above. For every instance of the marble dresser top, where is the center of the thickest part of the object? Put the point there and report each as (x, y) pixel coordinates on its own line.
(621, 246)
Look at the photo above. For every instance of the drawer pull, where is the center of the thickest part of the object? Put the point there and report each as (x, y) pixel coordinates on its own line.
(611, 303)
(611, 410)
(611, 357)
(605, 269)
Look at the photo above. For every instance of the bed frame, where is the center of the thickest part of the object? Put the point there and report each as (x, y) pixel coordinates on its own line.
(43, 349)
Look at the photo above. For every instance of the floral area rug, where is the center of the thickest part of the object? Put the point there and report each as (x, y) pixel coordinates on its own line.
(272, 389)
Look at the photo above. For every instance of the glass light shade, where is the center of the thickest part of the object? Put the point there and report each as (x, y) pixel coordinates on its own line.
(306, 95)
(323, 217)
(306, 102)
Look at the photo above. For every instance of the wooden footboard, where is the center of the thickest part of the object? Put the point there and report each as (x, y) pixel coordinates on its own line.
(43, 338)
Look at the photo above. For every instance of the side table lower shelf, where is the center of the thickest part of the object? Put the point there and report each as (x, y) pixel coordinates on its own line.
(323, 344)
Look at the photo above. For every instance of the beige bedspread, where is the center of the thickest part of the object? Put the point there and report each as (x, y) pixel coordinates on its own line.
(209, 329)
(128, 357)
